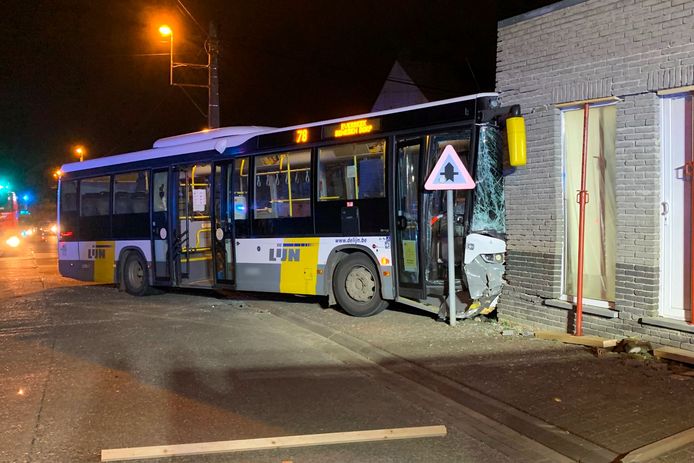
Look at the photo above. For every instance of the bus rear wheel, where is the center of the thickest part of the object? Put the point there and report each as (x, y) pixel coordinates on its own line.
(357, 287)
(135, 276)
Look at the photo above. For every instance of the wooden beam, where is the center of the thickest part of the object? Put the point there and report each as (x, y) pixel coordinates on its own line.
(658, 448)
(673, 353)
(202, 448)
(570, 104)
(592, 341)
(674, 91)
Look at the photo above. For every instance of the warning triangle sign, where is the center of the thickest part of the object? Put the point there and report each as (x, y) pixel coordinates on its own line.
(449, 173)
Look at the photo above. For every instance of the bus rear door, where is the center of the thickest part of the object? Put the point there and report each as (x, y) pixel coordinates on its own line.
(161, 228)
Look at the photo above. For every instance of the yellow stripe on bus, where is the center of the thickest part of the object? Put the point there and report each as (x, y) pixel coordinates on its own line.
(299, 265)
(103, 261)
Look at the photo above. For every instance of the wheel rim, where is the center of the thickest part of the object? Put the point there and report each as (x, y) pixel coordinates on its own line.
(136, 274)
(360, 284)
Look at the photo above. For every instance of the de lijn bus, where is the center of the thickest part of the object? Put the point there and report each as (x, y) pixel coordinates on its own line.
(334, 208)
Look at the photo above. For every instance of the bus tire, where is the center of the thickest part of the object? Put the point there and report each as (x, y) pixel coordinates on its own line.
(357, 287)
(135, 275)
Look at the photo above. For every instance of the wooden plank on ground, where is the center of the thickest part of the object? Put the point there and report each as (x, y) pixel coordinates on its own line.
(138, 453)
(673, 353)
(592, 341)
(658, 448)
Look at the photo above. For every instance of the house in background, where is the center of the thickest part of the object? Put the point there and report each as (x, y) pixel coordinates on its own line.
(412, 82)
(633, 62)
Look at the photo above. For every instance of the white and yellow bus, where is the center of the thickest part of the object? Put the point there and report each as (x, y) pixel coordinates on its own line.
(334, 208)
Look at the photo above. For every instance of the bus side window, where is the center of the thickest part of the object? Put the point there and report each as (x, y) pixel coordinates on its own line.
(131, 205)
(95, 214)
(160, 185)
(238, 189)
(237, 195)
(352, 171)
(68, 210)
(95, 194)
(283, 185)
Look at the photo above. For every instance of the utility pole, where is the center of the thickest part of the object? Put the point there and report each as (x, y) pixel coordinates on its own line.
(212, 46)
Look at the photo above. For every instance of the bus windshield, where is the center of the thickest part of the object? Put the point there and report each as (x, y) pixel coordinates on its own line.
(488, 214)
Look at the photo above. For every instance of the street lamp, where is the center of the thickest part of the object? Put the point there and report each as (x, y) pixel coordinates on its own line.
(80, 151)
(212, 66)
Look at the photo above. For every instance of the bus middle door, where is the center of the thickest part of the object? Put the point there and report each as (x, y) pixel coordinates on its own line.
(192, 246)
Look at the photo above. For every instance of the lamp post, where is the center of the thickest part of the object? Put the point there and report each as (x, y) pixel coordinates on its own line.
(166, 31)
(212, 67)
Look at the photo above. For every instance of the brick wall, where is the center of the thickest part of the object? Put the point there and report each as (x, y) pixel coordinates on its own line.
(579, 50)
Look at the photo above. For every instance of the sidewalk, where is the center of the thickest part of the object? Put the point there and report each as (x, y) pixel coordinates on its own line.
(617, 402)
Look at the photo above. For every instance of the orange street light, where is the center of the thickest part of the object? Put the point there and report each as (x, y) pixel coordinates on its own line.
(165, 30)
(80, 151)
(57, 174)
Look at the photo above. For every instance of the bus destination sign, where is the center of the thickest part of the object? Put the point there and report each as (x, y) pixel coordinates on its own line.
(352, 128)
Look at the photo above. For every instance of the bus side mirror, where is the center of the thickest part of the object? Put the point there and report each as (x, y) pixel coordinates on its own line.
(515, 131)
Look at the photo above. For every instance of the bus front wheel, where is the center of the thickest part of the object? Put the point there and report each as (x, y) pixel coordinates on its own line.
(357, 287)
(135, 277)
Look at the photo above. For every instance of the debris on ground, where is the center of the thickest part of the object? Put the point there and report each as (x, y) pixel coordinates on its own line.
(633, 346)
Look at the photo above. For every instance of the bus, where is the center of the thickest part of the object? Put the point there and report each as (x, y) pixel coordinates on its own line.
(335, 208)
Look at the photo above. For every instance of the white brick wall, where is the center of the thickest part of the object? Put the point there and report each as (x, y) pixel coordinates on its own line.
(583, 50)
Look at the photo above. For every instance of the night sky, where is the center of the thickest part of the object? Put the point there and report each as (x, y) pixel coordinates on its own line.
(95, 72)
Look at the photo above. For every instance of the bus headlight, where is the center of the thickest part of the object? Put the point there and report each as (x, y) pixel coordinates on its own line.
(13, 241)
(497, 258)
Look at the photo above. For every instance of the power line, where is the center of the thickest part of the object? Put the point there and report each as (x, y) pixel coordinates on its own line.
(185, 10)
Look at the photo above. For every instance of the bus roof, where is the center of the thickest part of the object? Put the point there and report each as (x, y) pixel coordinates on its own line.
(222, 138)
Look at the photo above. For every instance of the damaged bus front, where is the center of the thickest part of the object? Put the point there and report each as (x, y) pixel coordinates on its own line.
(489, 149)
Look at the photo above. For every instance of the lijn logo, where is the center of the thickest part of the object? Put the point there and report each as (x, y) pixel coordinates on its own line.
(97, 252)
(285, 255)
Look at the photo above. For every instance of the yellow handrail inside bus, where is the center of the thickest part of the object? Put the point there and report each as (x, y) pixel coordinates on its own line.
(289, 185)
(356, 179)
(197, 241)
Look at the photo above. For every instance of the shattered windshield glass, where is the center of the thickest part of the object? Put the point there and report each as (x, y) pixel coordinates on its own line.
(488, 213)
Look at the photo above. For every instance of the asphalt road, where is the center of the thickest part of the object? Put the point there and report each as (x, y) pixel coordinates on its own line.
(86, 367)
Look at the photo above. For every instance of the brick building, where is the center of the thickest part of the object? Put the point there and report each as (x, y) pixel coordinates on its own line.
(633, 61)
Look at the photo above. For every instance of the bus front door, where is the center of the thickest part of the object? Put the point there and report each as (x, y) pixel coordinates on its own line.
(224, 225)
(161, 228)
(408, 231)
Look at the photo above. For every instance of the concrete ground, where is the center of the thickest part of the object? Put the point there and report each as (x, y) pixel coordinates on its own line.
(85, 368)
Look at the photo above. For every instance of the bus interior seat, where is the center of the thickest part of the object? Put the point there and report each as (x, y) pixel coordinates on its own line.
(139, 203)
(102, 200)
(69, 202)
(122, 203)
(89, 207)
